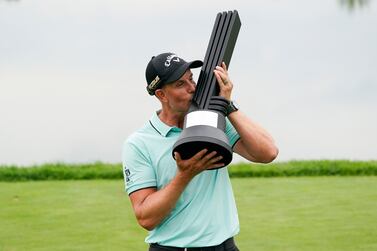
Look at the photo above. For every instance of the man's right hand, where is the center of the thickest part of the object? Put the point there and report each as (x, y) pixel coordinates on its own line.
(198, 163)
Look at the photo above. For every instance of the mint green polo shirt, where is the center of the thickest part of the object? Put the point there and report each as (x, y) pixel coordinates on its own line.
(206, 213)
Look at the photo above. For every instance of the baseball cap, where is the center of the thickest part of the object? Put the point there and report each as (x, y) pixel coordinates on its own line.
(166, 68)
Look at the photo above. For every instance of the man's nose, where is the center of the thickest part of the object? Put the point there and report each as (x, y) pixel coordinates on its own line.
(192, 87)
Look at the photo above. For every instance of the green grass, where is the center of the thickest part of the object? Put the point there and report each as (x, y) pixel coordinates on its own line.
(306, 213)
(98, 170)
(318, 213)
(61, 171)
(298, 168)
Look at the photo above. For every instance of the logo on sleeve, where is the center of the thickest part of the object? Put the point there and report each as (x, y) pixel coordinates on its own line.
(128, 174)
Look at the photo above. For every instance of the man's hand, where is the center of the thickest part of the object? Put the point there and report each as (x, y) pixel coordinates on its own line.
(198, 163)
(222, 76)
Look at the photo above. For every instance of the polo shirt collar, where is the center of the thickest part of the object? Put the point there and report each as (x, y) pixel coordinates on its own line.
(160, 126)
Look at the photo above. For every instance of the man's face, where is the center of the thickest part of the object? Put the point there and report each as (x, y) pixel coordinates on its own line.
(180, 93)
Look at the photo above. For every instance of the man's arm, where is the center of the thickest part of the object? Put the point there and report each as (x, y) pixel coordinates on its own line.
(151, 206)
(256, 144)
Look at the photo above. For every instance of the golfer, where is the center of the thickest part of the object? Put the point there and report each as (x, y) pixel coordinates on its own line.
(183, 206)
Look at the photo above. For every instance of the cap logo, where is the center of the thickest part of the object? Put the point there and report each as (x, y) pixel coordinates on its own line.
(170, 58)
(154, 82)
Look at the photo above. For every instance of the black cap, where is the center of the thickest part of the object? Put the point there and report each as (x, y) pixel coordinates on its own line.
(166, 68)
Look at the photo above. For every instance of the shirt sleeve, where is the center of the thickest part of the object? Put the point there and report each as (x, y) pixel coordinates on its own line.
(231, 133)
(137, 169)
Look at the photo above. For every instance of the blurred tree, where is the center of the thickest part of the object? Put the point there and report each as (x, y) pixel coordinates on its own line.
(353, 4)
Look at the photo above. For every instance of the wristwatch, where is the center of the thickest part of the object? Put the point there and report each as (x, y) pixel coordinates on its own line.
(232, 107)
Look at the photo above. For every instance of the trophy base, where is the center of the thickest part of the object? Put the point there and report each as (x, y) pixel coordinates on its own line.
(196, 138)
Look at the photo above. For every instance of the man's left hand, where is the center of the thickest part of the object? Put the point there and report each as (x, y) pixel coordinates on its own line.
(222, 76)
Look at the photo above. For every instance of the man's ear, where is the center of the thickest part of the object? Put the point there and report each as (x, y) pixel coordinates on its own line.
(160, 94)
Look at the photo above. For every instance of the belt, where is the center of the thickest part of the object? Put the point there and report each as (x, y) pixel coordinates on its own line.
(228, 244)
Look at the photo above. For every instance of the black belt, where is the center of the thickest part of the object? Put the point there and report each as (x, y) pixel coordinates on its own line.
(226, 245)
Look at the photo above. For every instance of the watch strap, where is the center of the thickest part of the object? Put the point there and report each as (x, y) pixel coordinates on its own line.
(232, 107)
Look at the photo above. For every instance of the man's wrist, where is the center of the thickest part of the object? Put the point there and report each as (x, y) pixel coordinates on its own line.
(232, 107)
(183, 178)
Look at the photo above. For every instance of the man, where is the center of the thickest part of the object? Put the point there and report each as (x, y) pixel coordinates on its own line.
(183, 205)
